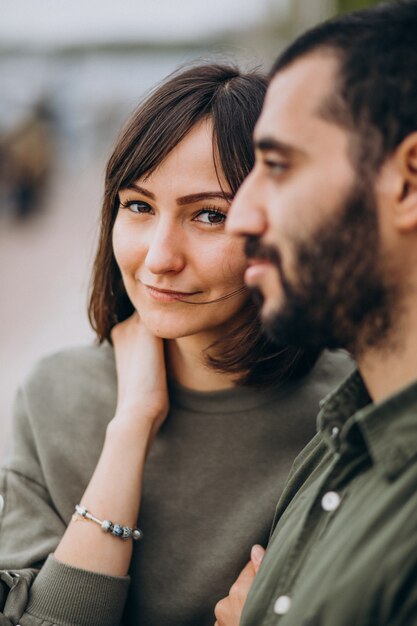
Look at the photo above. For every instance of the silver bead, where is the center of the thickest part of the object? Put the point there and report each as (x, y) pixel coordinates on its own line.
(81, 510)
(106, 525)
(127, 532)
(117, 530)
(137, 534)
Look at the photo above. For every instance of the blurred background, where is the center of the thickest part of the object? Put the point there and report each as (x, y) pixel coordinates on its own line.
(71, 72)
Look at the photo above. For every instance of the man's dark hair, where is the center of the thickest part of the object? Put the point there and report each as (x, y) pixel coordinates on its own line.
(376, 91)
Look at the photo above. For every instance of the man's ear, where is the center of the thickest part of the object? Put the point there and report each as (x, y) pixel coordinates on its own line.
(406, 200)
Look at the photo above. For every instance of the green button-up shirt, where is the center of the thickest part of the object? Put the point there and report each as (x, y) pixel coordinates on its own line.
(343, 551)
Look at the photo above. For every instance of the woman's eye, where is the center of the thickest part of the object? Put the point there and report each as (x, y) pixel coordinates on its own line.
(211, 216)
(136, 207)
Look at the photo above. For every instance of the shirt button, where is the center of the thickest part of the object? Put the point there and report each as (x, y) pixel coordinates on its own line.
(335, 432)
(1, 503)
(282, 605)
(330, 501)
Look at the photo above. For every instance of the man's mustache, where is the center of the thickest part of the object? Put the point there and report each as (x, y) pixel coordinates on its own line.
(255, 249)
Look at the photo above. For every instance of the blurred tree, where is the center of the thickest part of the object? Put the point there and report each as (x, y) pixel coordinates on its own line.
(343, 6)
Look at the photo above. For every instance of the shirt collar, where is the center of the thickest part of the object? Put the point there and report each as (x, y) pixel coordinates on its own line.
(388, 429)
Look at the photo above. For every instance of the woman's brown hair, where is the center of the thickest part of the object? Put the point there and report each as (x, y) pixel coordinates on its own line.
(233, 101)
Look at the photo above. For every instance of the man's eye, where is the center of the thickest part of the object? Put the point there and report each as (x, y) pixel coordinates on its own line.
(210, 216)
(136, 207)
(276, 167)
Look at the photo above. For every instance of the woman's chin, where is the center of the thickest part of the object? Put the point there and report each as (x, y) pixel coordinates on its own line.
(166, 334)
(180, 325)
(164, 330)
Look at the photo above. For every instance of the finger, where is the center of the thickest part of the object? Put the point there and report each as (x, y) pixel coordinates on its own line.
(243, 582)
(256, 555)
(246, 573)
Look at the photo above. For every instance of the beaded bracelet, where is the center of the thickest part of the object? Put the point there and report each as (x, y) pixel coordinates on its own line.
(117, 530)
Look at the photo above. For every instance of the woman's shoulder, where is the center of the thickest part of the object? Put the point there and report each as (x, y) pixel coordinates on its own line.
(330, 370)
(72, 377)
(71, 364)
(335, 363)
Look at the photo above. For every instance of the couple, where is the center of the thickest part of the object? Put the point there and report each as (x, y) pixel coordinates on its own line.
(328, 215)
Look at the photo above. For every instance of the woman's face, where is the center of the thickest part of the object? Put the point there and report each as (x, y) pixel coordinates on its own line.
(170, 243)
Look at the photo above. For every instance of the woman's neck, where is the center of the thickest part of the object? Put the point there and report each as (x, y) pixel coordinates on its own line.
(186, 365)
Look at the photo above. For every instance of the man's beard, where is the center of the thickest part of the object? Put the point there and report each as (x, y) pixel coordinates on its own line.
(339, 298)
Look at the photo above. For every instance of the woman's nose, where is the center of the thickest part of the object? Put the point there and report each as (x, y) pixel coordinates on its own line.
(165, 252)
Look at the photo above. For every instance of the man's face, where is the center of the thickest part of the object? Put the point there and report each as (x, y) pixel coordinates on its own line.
(311, 220)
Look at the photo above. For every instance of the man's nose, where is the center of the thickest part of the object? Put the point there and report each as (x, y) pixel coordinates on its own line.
(246, 216)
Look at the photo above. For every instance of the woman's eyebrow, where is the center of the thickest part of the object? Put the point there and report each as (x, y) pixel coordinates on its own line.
(141, 190)
(189, 198)
(204, 195)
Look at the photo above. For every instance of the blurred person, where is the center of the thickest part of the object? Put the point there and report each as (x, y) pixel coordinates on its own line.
(329, 214)
(183, 379)
(27, 154)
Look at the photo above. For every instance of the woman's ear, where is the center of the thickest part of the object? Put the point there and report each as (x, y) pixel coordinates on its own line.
(406, 200)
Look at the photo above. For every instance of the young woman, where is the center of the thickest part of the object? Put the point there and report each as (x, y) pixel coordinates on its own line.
(184, 420)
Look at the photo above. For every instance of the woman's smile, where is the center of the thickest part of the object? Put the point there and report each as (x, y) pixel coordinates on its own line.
(168, 295)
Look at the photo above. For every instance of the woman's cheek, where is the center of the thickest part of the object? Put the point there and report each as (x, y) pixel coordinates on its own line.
(126, 250)
(116, 243)
(235, 261)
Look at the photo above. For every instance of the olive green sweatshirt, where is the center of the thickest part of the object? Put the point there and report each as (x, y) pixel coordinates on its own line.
(213, 476)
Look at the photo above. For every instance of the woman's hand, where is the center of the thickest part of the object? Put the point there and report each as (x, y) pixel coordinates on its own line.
(142, 395)
(142, 405)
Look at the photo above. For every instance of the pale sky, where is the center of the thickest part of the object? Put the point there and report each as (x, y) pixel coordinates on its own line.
(77, 21)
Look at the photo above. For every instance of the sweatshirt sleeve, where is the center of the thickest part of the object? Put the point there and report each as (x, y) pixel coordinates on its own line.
(14, 593)
(30, 525)
(61, 595)
(30, 530)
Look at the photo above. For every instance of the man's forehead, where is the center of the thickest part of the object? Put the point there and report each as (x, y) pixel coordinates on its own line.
(297, 93)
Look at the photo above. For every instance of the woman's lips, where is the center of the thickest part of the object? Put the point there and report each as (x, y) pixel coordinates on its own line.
(167, 295)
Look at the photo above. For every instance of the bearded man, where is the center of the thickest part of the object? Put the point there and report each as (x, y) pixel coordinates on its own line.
(329, 214)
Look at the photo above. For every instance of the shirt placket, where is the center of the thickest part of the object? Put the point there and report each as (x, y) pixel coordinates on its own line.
(326, 503)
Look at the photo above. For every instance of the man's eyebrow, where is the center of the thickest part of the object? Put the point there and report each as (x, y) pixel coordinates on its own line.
(269, 144)
(188, 199)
